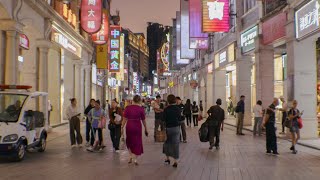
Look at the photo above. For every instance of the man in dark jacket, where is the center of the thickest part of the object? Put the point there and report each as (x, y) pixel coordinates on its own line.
(215, 123)
(240, 111)
(88, 124)
(182, 123)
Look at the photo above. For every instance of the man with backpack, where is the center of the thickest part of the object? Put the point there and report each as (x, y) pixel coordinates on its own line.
(240, 111)
(215, 123)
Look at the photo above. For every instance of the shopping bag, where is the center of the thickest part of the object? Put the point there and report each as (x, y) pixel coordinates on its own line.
(300, 124)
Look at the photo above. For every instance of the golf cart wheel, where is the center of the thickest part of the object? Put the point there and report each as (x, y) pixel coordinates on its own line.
(42, 144)
(21, 152)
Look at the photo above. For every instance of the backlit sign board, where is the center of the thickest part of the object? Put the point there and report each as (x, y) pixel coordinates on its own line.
(215, 16)
(198, 39)
(185, 51)
(247, 39)
(114, 62)
(91, 15)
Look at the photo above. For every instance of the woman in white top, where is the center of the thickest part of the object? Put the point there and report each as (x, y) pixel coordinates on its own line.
(257, 110)
(73, 114)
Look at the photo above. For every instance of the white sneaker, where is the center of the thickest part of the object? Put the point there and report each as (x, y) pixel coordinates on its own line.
(90, 149)
(87, 144)
(117, 151)
(73, 146)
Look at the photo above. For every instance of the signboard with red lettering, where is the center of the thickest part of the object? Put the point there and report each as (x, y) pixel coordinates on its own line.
(91, 15)
(215, 16)
(114, 62)
(24, 41)
(101, 37)
(274, 28)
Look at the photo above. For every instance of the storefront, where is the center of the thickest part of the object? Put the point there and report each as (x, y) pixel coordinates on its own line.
(305, 74)
(225, 75)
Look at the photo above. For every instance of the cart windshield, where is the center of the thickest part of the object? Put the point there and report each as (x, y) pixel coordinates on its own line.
(10, 106)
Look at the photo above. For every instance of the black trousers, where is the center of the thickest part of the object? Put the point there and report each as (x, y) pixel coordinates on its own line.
(284, 118)
(93, 133)
(271, 138)
(188, 117)
(214, 135)
(115, 134)
(195, 120)
(75, 127)
(88, 130)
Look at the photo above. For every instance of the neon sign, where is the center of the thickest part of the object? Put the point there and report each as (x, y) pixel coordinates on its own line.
(115, 32)
(215, 15)
(91, 15)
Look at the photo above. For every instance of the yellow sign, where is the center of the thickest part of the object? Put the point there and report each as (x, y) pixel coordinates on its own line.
(171, 84)
(102, 55)
(122, 57)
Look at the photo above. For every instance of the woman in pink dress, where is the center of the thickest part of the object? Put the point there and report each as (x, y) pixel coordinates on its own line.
(132, 117)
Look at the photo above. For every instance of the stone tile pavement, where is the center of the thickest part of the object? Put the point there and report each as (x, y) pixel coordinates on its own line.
(240, 158)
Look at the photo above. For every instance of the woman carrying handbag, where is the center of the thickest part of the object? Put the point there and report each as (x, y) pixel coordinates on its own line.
(294, 116)
(98, 120)
(115, 115)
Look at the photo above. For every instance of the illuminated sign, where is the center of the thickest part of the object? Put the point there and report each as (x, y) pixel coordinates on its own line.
(185, 51)
(179, 59)
(215, 16)
(66, 43)
(222, 57)
(167, 74)
(122, 57)
(135, 82)
(171, 84)
(210, 68)
(101, 37)
(198, 39)
(115, 33)
(307, 19)
(24, 41)
(164, 53)
(102, 56)
(91, 15)
(247, 39)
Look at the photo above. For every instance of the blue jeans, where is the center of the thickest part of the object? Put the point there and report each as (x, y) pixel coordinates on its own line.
(257, 125)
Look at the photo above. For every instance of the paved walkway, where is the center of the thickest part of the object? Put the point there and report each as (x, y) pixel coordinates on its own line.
(240, 158)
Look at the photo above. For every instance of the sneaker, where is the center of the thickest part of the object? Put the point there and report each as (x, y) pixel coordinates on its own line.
(268, 152)
(117, 151)
(90, 149)
(275, 153)
(100, 149)
(88, 144)
(73, 146)
(80, 145)
(167, 161)
(185, 141)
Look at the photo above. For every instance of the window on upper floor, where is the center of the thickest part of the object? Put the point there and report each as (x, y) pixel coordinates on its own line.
(248, 4)
(272, 5)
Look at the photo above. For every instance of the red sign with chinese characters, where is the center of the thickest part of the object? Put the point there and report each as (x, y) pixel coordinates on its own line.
(274, 28)
(91, 15)
(215, 16)
(114, 63)
(101, 37)
(24, 41)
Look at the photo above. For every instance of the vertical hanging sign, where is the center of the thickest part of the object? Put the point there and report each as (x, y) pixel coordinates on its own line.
(215, 16)
(101, 37)
(114, 63)
(122, 57)
(102, 56)
(91, 15)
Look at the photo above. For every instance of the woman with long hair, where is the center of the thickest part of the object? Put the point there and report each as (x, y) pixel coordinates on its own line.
(134, 118)
(172, 119)
(187, 111)
(73, 114)
(294, 114)
(115, 116)
(195, 113)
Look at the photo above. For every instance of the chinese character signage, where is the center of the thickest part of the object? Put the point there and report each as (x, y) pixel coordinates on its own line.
(122, 57)
(247, 39)
(91, 15)
(102, 56)
(215, 16)
(307, 19)
(136, 82)
(198, 39)
(115, 33)
(101, 37)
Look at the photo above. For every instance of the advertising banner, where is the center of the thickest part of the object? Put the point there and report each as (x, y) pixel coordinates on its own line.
(198, 39)
(102, 56)
(101, 37)
(185, 51)
(178, 35)
(274, 28)
(114, 62)
(215, 16)
(91, 15)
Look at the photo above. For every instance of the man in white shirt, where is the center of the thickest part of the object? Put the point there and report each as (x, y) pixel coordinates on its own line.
(257, 110)
(284, 111)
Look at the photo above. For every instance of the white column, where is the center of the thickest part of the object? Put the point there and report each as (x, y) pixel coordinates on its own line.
(43, 46)
(11, 58)
(264, 60)
(219, 80)
(87, 80)
(243, 68)
(78, 89)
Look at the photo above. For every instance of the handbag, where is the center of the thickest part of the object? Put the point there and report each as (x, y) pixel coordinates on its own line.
(300, 124)
(102, 122)
(200, 118)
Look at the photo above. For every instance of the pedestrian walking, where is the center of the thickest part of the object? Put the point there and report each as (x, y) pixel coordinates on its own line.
(284, 110)
(215, 123)
(182, 122)
(257, 110)
(158, 110)
(195, 113)
(115, 115)
(172, 118)
(96, 116)
(294, 114)
(133, 119)
(240, 110)
(88, 123)
(73, 114)
(269, 123)
(187, 112)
